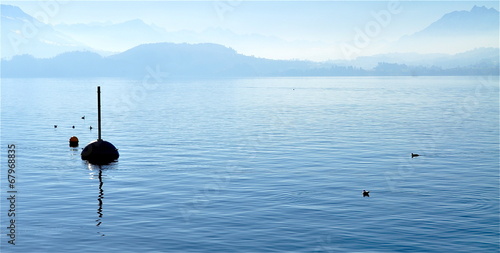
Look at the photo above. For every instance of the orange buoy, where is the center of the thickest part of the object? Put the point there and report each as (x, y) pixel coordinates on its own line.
(73, 142)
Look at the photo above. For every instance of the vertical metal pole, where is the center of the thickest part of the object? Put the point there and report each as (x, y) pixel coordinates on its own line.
(99, 112)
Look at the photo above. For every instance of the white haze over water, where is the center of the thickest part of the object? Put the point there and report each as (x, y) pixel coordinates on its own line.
(309, 30)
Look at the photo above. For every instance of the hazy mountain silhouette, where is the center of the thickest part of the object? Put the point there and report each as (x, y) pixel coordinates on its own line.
(23, 34)
(179, 60)
(477, 21)
(39, 50)
(444, 61)
(115, 37)
(212, 60)
(122, 36)
(72, 64)
(457, 31)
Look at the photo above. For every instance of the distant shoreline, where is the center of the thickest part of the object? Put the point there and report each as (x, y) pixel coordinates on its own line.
(213, 60)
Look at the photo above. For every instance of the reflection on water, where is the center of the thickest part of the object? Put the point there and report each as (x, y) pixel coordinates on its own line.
(100, 198)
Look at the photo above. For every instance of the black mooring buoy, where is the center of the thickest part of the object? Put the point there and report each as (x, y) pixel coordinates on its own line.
(100, 151)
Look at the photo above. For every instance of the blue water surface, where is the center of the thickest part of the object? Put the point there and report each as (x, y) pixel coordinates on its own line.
(255, 165)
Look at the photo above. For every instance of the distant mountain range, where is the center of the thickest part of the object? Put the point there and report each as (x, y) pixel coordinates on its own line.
(115, 38)
(477, 21)
(455, 31)
(108, 38)
(444, 61)
(212, 60)
(33, 49)
(23, 34)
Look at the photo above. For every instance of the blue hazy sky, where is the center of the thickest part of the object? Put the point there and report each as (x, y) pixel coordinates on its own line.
(317, 21)
(288, 19)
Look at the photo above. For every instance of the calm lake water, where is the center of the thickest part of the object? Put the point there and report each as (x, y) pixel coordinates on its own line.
(255, 165)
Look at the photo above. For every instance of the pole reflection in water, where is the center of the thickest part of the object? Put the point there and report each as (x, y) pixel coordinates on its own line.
(99, 199)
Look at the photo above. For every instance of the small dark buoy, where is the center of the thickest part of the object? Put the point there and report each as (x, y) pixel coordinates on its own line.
(99, 151)
(83, 117)
(73, 142)
(73, 127)
(414, 155)
(55, 126)
(366, 193)
(90, 127)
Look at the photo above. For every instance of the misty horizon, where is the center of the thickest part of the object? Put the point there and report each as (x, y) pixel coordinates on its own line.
(337, 31)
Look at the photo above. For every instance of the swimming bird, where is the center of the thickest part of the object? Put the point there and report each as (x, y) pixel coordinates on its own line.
(414, 155)
(90, 127)
(73, 126)
(366, 193)
(55, 126)
(83, 117)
